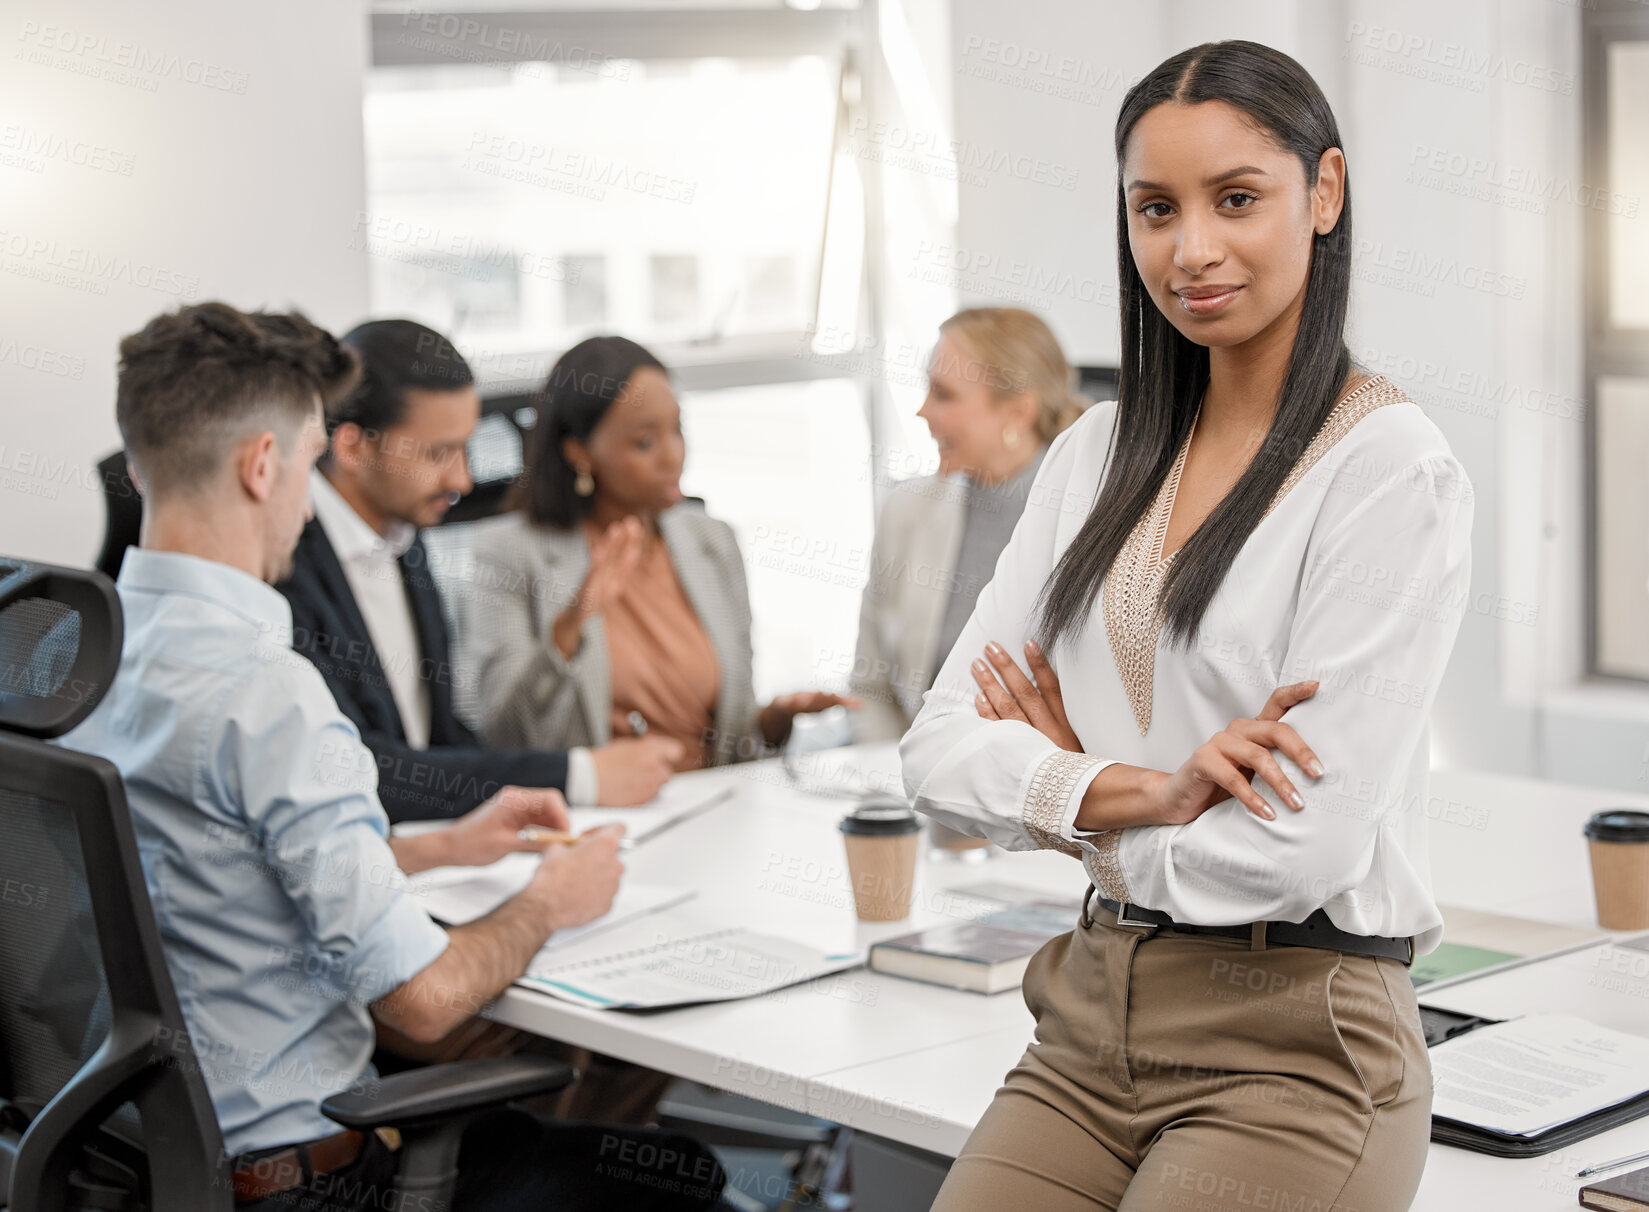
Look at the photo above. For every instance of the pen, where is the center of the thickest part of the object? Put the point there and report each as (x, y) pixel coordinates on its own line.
(1610, 1165)
(559, 837)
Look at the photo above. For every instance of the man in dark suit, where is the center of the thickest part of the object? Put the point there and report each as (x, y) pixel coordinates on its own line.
(365, 607)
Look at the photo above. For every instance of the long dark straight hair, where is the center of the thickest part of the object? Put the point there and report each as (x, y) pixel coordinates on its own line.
(1164, 373)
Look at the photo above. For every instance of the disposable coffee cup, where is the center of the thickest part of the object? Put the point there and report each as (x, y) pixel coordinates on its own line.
(1619, 840)
(882, 838)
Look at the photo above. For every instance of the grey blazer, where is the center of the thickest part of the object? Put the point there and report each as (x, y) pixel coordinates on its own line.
(531, 696)
(912, 575)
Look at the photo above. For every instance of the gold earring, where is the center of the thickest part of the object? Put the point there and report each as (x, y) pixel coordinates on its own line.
(1010, 439)
(584, 484)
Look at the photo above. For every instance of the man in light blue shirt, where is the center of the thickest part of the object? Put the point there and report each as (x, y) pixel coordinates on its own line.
(280, 896)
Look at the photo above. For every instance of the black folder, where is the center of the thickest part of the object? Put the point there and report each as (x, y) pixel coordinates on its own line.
(1440, 1025)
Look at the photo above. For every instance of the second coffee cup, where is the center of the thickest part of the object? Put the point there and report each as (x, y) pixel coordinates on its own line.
(1619, 841)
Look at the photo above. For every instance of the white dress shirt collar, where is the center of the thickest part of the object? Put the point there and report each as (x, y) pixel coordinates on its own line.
(349, 533)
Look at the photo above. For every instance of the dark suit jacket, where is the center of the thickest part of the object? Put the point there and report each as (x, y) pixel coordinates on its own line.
(455, 773)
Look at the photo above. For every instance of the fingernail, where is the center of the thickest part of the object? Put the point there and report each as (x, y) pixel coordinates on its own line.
(1297, 800)
(994, 649)
(1032, 647)
(1315, 769)
(1265, 810)
(978, 666)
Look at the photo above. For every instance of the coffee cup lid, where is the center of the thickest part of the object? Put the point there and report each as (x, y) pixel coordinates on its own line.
(881, 818)
(1618, 825)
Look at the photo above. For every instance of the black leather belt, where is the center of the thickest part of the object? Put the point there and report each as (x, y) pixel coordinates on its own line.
(1315, 931)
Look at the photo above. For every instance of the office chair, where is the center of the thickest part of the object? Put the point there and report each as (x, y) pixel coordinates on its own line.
(102, 1104)
(122, 513)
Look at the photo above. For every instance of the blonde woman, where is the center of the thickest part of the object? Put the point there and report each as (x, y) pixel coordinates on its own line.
(999, 390)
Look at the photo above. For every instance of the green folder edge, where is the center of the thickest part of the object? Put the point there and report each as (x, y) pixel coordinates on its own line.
(1455, 959)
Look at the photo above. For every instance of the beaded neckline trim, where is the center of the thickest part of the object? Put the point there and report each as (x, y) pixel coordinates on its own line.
(1132, 590)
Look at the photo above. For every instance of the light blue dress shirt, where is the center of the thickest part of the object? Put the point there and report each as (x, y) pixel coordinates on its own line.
(263, 844)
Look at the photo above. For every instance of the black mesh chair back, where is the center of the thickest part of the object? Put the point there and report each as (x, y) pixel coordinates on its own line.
(101, 1102)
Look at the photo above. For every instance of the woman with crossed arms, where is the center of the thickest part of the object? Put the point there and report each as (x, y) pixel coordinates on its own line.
(1235, 741)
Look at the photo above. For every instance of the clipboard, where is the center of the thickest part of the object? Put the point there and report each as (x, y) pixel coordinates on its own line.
(1440, 1025)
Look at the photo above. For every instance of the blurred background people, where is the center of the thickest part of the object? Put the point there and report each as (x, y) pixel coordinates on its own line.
(366, 609)
(999, 390)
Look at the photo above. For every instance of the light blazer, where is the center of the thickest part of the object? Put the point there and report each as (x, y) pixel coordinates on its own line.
(911, 578)
(530, 695)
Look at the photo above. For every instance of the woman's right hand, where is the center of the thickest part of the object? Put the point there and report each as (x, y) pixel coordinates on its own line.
(614, 556)
(1221, 768)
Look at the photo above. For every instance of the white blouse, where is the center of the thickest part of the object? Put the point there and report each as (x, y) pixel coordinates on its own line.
(1357, 576)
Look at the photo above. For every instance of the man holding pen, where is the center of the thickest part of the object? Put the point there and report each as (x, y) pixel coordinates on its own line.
(231, 747)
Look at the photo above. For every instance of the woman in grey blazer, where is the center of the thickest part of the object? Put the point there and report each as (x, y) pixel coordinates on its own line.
(606, 604)
(999, 390)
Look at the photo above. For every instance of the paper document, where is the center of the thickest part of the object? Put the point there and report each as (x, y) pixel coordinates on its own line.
(460, 895)
(634, 901)
(1530, 1074)
(715, 966)
(679, 799)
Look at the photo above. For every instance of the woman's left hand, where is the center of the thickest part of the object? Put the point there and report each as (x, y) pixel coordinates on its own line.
(777, 715)
(1005, 693)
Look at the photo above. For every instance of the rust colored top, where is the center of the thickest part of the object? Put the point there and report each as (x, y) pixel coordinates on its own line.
(661, 662)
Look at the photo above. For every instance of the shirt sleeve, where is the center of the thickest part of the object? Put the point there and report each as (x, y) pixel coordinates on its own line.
(583, 783)
(1002, 779)
(308, 785)
(1380, 602)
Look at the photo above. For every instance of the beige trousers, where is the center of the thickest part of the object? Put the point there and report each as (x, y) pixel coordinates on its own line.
(1176, 1071)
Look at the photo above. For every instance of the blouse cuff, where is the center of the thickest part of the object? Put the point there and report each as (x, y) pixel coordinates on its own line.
(1053, 797)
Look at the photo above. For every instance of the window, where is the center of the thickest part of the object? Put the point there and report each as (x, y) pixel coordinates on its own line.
(674, 289)
(1617, 122)
(787, 467)
(523, 207)
(584, 293)
(684, 177)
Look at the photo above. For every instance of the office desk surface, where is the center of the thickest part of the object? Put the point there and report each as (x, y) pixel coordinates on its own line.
(917, 1063)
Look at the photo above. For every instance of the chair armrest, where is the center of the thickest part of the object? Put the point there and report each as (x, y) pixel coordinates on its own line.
(439, 1092)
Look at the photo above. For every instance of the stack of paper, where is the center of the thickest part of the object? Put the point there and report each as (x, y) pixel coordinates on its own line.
(459, 895)
(714, 966)
(1530, 1074)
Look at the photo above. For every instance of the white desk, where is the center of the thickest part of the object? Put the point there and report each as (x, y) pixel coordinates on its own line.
(918, 1064)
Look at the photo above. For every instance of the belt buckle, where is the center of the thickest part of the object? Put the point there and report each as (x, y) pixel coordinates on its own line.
(1123, 918)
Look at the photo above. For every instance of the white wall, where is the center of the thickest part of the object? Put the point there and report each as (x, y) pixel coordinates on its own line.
(149, 155)
(1499, 369)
